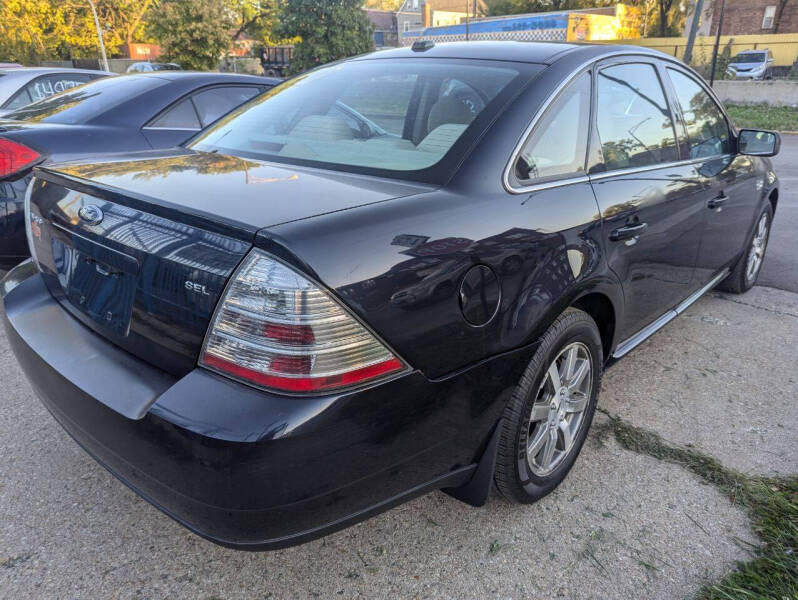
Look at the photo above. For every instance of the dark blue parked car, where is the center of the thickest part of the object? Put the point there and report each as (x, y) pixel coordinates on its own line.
(118, 114)
(398, 273)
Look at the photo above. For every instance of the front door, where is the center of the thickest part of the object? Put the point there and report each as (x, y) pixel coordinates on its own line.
(732, 197)
(652, 206)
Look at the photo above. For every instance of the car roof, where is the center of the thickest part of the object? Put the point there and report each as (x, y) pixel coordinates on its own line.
(511, 51)
(205, 77)
(47, 70)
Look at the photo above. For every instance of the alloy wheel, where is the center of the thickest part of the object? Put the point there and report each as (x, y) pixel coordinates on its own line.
(559, 409)
(756, 253)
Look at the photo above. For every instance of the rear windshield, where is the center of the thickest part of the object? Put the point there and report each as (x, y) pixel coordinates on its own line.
(81, 104)
(754, 57)
(408, 118)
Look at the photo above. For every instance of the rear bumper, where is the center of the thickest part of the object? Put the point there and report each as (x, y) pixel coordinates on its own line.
(238, 466)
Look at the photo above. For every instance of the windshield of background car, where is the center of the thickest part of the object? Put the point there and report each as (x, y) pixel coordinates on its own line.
(755, 57)
(407, 118)
(81, 104)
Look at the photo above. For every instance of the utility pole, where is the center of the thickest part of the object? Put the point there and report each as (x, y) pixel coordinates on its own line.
(99, 36)
(467, 11)
(688, 51)
(717, 43)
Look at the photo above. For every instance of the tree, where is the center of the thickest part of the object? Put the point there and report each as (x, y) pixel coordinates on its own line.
(496, 8)
(34, 30)
(779, 11)
(383, 4)
(194, 33)
(256, 18)
(329, 30)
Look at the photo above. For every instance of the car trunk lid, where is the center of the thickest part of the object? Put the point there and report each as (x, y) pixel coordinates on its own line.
(145, 265)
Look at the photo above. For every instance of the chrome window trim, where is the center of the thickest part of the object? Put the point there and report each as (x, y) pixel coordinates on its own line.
(656, 167)
(554, 183)
(151, 128)
(506, 181)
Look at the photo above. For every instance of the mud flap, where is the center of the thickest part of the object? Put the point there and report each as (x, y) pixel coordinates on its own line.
(477, 490)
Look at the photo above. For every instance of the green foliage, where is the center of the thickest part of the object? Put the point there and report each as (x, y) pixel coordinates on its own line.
(329, 30)
(383, 4)
(762, 116)
(772, 504)
(34, 30)
(496, 8)
(258, 20)
(193, 33)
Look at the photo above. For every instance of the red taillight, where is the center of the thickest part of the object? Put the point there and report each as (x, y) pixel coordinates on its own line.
(14, 157)
(276, 329)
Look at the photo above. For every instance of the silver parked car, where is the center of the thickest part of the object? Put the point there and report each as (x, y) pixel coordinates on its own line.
(21, 86)
(751, 64)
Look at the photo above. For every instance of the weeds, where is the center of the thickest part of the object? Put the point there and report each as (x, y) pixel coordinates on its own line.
(772, 504)
(762, 116)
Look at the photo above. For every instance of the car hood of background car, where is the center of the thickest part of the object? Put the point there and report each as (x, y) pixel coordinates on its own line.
(252, 193)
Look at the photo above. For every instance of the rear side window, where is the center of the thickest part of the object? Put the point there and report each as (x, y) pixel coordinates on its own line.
(46, 86)
(707, 131)
(215, 102)
(633, 119)
(181, 116)
(557, 146)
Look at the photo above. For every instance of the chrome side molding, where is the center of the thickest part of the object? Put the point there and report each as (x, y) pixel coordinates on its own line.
(641, 336)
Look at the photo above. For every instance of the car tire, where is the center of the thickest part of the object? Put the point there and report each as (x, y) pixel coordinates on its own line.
(744, 274)
(526, 473)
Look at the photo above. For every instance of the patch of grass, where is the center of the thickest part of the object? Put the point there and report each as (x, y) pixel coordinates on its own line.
(772, 504)
(762, 116)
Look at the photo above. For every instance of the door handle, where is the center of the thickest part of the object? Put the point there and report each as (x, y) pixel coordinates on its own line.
(628, 231)
(717, 201)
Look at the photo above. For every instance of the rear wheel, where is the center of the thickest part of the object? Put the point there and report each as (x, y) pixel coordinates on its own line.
(746, 271)
(545, 423)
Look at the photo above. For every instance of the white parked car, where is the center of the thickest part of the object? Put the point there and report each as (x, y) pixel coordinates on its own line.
(751, 64)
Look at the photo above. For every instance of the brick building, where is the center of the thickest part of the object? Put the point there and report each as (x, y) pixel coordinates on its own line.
(749, 17)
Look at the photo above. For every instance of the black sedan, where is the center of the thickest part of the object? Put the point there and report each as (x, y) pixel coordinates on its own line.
(119, 114)
(399, 273)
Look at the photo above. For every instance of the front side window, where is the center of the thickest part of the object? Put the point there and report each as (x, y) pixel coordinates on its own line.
(633, 119)
(557, 146)
(409, 118)
(707, 131)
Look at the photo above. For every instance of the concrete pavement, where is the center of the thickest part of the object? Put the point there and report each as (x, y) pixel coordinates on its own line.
(721, 378)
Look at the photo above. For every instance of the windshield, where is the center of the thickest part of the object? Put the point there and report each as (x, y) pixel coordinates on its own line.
(81, 104)
(753, 57)
(396, 118)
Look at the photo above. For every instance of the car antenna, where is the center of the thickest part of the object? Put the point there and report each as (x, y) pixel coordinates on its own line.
(422, 45)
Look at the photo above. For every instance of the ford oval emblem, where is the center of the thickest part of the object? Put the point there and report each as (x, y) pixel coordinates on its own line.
(91, 214)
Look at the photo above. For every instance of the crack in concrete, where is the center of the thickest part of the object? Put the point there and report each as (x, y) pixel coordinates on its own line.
(775, 311)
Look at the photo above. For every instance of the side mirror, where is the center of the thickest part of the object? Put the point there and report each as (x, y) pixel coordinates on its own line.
(756, 142)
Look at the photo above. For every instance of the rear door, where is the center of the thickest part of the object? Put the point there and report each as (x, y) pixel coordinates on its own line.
(651, 203)
(180, 121)
(731, 199)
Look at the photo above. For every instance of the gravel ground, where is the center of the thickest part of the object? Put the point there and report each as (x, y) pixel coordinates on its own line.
(622, 525)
